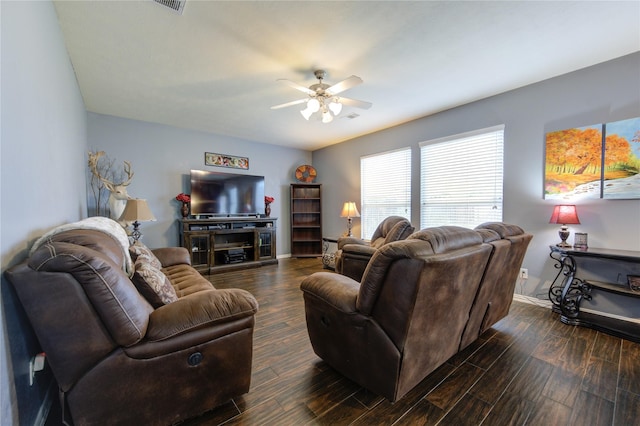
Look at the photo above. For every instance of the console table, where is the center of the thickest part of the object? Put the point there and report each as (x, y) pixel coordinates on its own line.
(220, 244)
(576, 283)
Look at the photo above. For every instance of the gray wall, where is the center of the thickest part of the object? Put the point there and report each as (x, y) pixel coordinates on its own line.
(602, 93)
(162, 156)
(42, 177)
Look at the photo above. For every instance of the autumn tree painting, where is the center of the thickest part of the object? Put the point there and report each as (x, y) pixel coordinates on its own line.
(577, 165)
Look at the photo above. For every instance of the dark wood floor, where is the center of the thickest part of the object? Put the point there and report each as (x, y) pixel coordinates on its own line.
(530, 369)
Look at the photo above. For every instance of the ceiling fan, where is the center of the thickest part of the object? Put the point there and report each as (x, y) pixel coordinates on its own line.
(323, 98)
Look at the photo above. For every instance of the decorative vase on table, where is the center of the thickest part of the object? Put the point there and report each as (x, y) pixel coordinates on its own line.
(267, 210)
(185, 210)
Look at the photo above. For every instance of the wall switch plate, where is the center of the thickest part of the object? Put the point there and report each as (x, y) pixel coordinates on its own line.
(524, 273)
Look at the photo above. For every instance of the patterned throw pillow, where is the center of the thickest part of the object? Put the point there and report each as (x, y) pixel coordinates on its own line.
(152, 283)
(139, 249)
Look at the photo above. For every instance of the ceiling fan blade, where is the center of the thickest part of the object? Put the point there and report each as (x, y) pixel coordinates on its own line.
(355, 103)
(348, 83)
(297, 86)
(288, 104)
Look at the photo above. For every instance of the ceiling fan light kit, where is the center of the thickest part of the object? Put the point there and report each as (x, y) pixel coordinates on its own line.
(322, 97)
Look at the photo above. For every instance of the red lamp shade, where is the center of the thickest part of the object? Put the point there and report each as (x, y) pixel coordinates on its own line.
(565, 215)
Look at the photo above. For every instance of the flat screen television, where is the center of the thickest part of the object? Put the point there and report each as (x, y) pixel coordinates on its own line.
(226, 194)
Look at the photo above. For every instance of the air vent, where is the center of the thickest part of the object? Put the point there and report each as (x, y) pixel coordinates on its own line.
(175, 5)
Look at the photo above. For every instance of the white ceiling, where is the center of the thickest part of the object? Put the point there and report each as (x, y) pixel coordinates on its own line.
(215, 67)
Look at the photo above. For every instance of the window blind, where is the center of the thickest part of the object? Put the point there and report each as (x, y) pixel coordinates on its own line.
(385, 188)
(461, 179)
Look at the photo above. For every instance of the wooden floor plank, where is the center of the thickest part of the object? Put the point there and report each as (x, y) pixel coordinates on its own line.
(531, 379)
(424, 413)
(510, 410)
(630, 367)
(453, 388)
(494, 382)
(469, 410)
(607, 347)
(549, 412)
(601, 378)
(627, 410)
(592, 410)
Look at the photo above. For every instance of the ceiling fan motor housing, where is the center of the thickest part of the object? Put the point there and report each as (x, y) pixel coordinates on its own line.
(320, 74)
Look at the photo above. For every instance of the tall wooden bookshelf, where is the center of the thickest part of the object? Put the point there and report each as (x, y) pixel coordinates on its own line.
(306, 220)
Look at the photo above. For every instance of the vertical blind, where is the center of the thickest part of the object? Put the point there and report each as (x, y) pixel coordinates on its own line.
(461, 179)
(385, 188)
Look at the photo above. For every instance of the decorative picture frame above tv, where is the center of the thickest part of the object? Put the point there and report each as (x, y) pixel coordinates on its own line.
(598, 161)
(222, 160)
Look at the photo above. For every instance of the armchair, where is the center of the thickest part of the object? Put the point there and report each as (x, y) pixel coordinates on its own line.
(353, 253)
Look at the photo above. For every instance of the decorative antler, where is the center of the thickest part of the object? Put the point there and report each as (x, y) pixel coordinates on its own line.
(127, 170)
(93, 166)
(93, 163)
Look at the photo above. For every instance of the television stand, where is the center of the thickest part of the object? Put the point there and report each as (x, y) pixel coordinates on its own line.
(225, 243)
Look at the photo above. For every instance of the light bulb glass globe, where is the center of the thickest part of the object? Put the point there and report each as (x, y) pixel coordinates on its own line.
(313, 105)
(306, 113)
(327, 117)
(335, 107)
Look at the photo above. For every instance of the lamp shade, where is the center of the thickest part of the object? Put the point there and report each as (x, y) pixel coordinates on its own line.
(335, 107)
(137, 210)
(313, 105)
(565, 215)
(327, 117)
(306, 113)
(349, 209)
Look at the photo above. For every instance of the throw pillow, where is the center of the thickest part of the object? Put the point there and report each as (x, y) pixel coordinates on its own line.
(139, 249)
(152, 283)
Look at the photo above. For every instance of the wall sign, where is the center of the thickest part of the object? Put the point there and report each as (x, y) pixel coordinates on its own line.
(221, 160)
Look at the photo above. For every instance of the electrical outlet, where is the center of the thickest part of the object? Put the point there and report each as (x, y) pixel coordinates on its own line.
(36, 364)
(524, 273)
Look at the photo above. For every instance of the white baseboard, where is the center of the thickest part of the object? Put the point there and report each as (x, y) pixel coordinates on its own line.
(532, 300)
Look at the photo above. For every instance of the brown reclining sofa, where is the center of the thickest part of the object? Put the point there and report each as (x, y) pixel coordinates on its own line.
(420, 301)
(119, 358)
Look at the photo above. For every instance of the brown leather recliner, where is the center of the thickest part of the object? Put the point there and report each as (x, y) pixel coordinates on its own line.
(116, 358)
(411, 310)
(353, 253)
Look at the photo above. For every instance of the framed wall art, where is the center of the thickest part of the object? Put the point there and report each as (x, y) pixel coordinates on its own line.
(222, 160)
(598, 161)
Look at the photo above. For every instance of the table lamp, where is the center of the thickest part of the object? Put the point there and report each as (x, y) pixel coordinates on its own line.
(564, 215)
(349, 210)
(136, 211)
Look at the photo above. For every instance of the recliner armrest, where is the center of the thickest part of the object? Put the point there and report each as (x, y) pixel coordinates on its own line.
(336, 290)
(170, 256)
(200, 310)
(359, 250)
(342, 241)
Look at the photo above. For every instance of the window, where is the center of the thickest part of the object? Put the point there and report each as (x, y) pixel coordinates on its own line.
(461, 179)
(385, 188)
